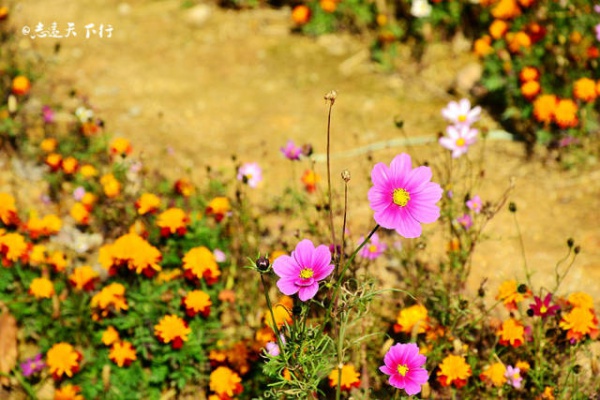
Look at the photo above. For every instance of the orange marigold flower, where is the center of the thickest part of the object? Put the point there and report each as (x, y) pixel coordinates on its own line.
(58, 261)
(544, 107)
(110, 336)
(184, 187)
(412, 319)
(48, 145)
(54, 161)
(523, 366)
(526, 3)
(494, 374)
(581, 299)
(509, 294)
(565, 114)
(219, 207)
(518, 41)
(349, 377)
(110, 299)
(498, 28)
(69, 165)
(21, 85)
(197, 302)
(301, 14)
(88, 200)
(506, 9)
(483, 46)
(282, 312)
(148, 203)
(37, 255)
(585, 89)
(575, 37)
(530, 89)
(52, 224)
(511, 333)
(120, 146)
(133, 251)
(548, 393)
(63, 359)
(198, 263)
(168, 276)
(41, 288)
(88, 171)
(80, 214)
(328, 6)
(310, 179)
(8, 210)
(454, 370)
(225, 382)
(68, 392)
(529, 74)
(580, 322)
(12, 248)
(84, 278)
(172, 329)
(263, 336)
(122, 354)
(110, 185)
(171, 221)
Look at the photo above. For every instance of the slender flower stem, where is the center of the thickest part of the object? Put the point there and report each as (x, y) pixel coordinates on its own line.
(269, 305)
(329, 189)
(522, 245)
(344, 226)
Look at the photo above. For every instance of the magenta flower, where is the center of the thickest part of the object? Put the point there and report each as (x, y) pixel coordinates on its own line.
(32, 365)
(250, 173)
(291, 151)
(460, 113)
(48, 114)
(475, 204)
(513, 376)
(373, 248)
(543, 308)
(303, 269)
(404, 364)
(465, 221)
(459, 139)
(402, 197)
(597, 32)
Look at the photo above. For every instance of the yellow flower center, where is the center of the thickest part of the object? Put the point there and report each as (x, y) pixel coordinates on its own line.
(462, 118)
(306, 273)
(460, 142)
(401, 197)
(543, 309)
(402, 369)
(372, 249)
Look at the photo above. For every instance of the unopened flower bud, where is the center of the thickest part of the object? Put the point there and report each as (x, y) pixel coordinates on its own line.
(570, 242)
(522, 288)
(331, 96)
(577, 249)
(346, 175)
(262, 263)
(512, 207)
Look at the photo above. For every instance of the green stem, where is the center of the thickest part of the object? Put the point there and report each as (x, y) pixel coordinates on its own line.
(522, 245)
(274, 322)
(331, 227)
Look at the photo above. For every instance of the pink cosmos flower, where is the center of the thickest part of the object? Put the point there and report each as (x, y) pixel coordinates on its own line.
(250, 173)
(402, 197)
(33, 365)
(465, 221)
(220, 256)
(78, 193)
(404, 364)
(460, 113)
(474, 204)
(513, 376)
(597, 32)
(301, 271)
(48, 114)
(291, 151)
(373, 249)
(459, 139)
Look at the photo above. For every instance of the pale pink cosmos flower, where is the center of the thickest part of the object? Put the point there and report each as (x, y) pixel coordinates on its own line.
(250, 173)
(475, 204)
(459, 139)
(291, 151)
(460, 113)
(78, 193)
(220, 256)
(404, 365)
(301, 271)
(403, 198)
(465, 221)
(373, 248)
(513, 376)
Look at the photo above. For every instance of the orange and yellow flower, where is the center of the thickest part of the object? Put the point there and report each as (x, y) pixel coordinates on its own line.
(80, 214)
(498, 28)
(122, 354)
(88, 171)
(529, 74)
(54, 161)
(301, 14)
(198, 263)
(219, 207)
(69, 165)
(506, 9)
(148, 203)
(310, 179)
(581, 299)
(530, 89)
(197, 302)
(8, 210)
(133, 251)
(565, 114)
(509, 294)
(41, 288)
(110, 336)
(48, 145)
(68, 392)
(585, 89)
(173, 221)
(84, 278)
(63, 359)
(544, 107)
(454, 370)
(518, 41)
(512, 333)
(580, 322)
(110, 185)
(13, 248)
(225, 382)
(21, 85)
(412, 319)
(58, 261)
(483, 46)
(494, 374)
(120, 146)
(172, 329)
(109, 300)
(350, 378)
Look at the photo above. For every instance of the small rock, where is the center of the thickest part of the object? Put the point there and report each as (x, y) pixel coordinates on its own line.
(198, 15)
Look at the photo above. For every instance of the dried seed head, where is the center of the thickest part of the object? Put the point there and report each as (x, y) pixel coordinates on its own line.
(331, 96)
(346, 175)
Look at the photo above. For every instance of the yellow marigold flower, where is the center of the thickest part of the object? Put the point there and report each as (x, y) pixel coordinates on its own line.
(198, 263)
(509, 294)
(80, 214)
(263, 336)
(69, 165)
(530, 89)
(544, 107)
(529, 74)
(52, 224)
(184, 187)
(548, 393)
(12, 248)
(197, 302)
(110, 185)
(454, 370)
(88, 171)
(21, 85)
(63, 359)
(225, 382)
(147, 203)
(219, 207)
(350, 378)
(68, 392)
(580, 322)
(48, 145)
(37, 255)
(585, 89)
(526, 3)
(122, 354)
(498, 28)
(110, 299)
(282, 312)
(310, 179)
(217, 356)
(517, 41)
(120, 146)
(328, 6)
(511, 333)
(168, 276)
(110, 336)
(565, 114)
(273, 256)
(132, 251)
(53, 160)
(88, 200)
(494, 374)
(84, 277)
(411, 318)
(575, 37)
(171, 221)
(381, 19)
(8, 210)
(523, 366)
(172, 329)
(598, 87)
(58, 261)
(506, 9)
(41, 288)
(581, 299)
(483, 46)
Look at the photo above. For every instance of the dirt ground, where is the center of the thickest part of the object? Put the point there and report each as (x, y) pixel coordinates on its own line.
(191, 88)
